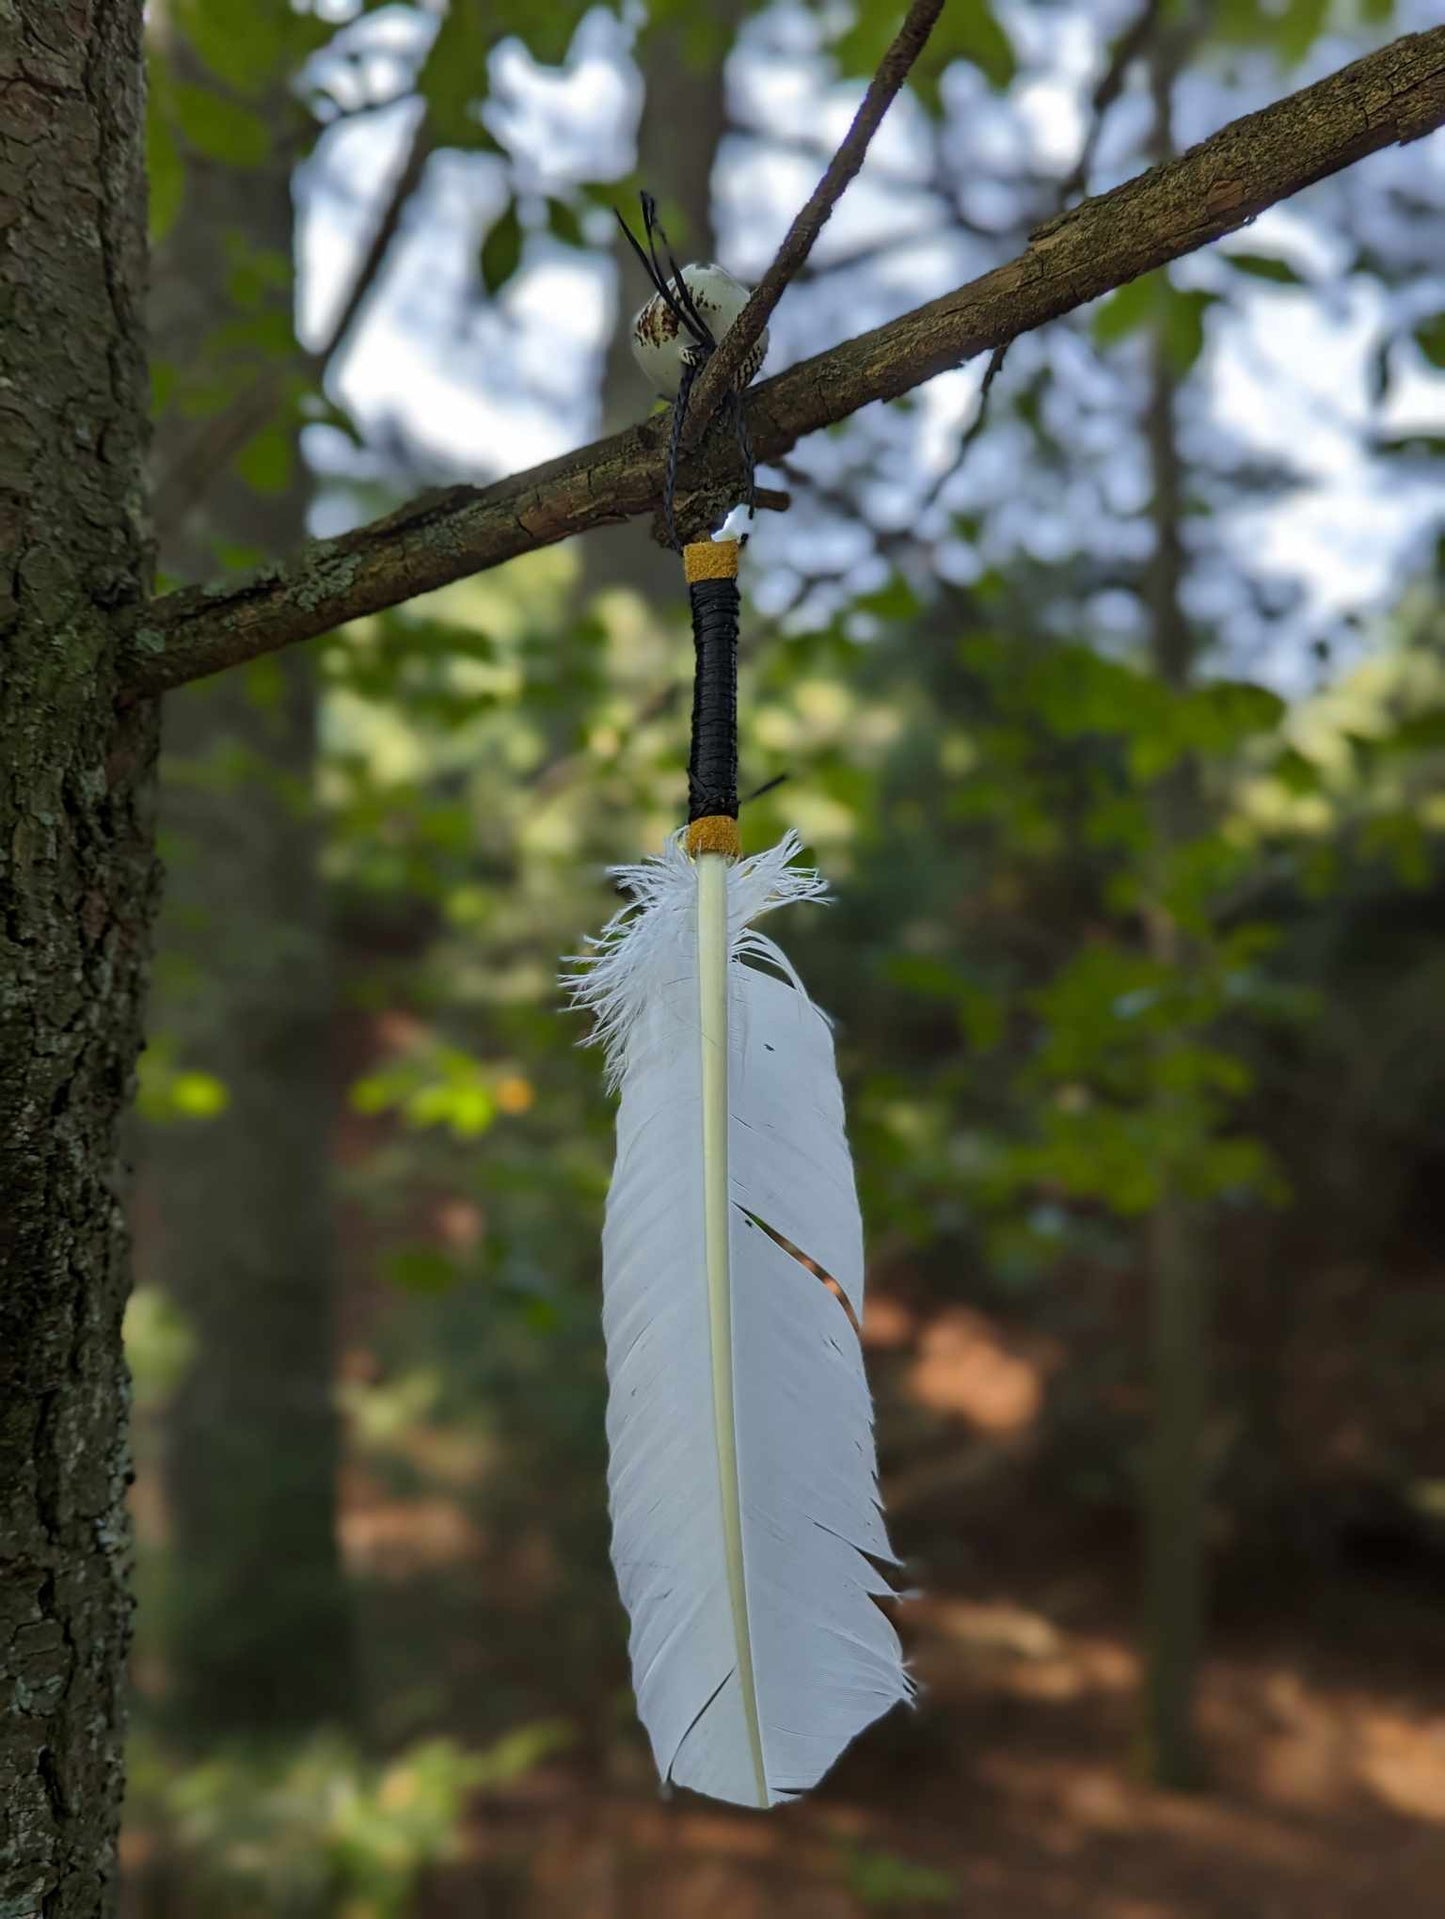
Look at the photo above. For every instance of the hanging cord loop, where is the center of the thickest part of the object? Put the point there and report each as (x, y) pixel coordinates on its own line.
(675, 335)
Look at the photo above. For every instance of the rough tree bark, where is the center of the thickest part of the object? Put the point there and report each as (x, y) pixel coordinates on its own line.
(77, 886)
(258, 1631)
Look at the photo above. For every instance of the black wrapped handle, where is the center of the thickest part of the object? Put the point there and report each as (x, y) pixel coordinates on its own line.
(712, 768)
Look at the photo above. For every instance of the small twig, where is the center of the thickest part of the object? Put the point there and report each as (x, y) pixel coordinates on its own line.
(768, 786)
(841, 502)
(722, 369)
(1132, 42)
(889, 543)
(972, 431)
(869, 252)
(404, 184)
(343, 115)
(822, 490)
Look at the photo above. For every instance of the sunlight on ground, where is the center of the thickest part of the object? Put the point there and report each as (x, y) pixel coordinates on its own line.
(968, 1366)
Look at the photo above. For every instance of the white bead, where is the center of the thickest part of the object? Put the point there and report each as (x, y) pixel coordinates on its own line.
(662, 349)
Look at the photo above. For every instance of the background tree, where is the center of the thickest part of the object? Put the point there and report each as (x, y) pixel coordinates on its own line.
(259, 1638)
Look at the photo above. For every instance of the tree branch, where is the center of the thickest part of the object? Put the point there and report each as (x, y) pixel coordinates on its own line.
(721, 371)
(1131, 43)
(1394, 95)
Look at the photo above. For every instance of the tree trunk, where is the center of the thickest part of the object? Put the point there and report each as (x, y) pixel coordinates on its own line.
(258, 1631)
(79, 882)
(1175, 1572)
(1178, 1248)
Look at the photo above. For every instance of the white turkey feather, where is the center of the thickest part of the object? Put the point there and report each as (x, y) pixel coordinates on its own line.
(746, 1527)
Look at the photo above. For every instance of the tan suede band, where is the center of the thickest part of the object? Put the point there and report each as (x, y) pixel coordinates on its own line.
(710, 560)
(715, 834)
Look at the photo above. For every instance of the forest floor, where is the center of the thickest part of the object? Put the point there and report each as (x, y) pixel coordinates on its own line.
(1013, 1790)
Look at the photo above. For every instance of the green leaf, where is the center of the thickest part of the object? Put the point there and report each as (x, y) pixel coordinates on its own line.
(1264, 266)
(243, 42)
(547, 26)
(1178, 311)
(163, 384)
(264, 682)
(1418, 446)
(1296, 773)
(967, 30)
(165, 167)
(454, 78)
(896, 601)
(198, 1095)
(1420, 733)
(256, 275)
(1183, 321)
(265, 461)
(565, 223)
(219, 128)
(1429, 336)
(859, 50)
(168, 1093)
(502, 250)
(885, 1879)
(1300, 25)
(421, 1269)
(1126, 310)
(1242, 21)
(455, 69)
(247, 340)
(160, 1344)
(1399, 837)
(1221, 716)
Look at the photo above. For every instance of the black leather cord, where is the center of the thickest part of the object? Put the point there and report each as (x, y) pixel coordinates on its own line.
(712, 767)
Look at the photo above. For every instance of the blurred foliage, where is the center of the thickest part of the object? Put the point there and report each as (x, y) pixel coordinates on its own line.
(321, 1828)
(159, 1347)
(979, 771)
(168, 1092)
(883, 1881)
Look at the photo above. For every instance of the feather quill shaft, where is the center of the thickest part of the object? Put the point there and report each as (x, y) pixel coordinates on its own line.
(747, 1535)
(712, 954)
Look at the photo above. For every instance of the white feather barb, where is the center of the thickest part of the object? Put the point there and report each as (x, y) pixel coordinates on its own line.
(746, 1529)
